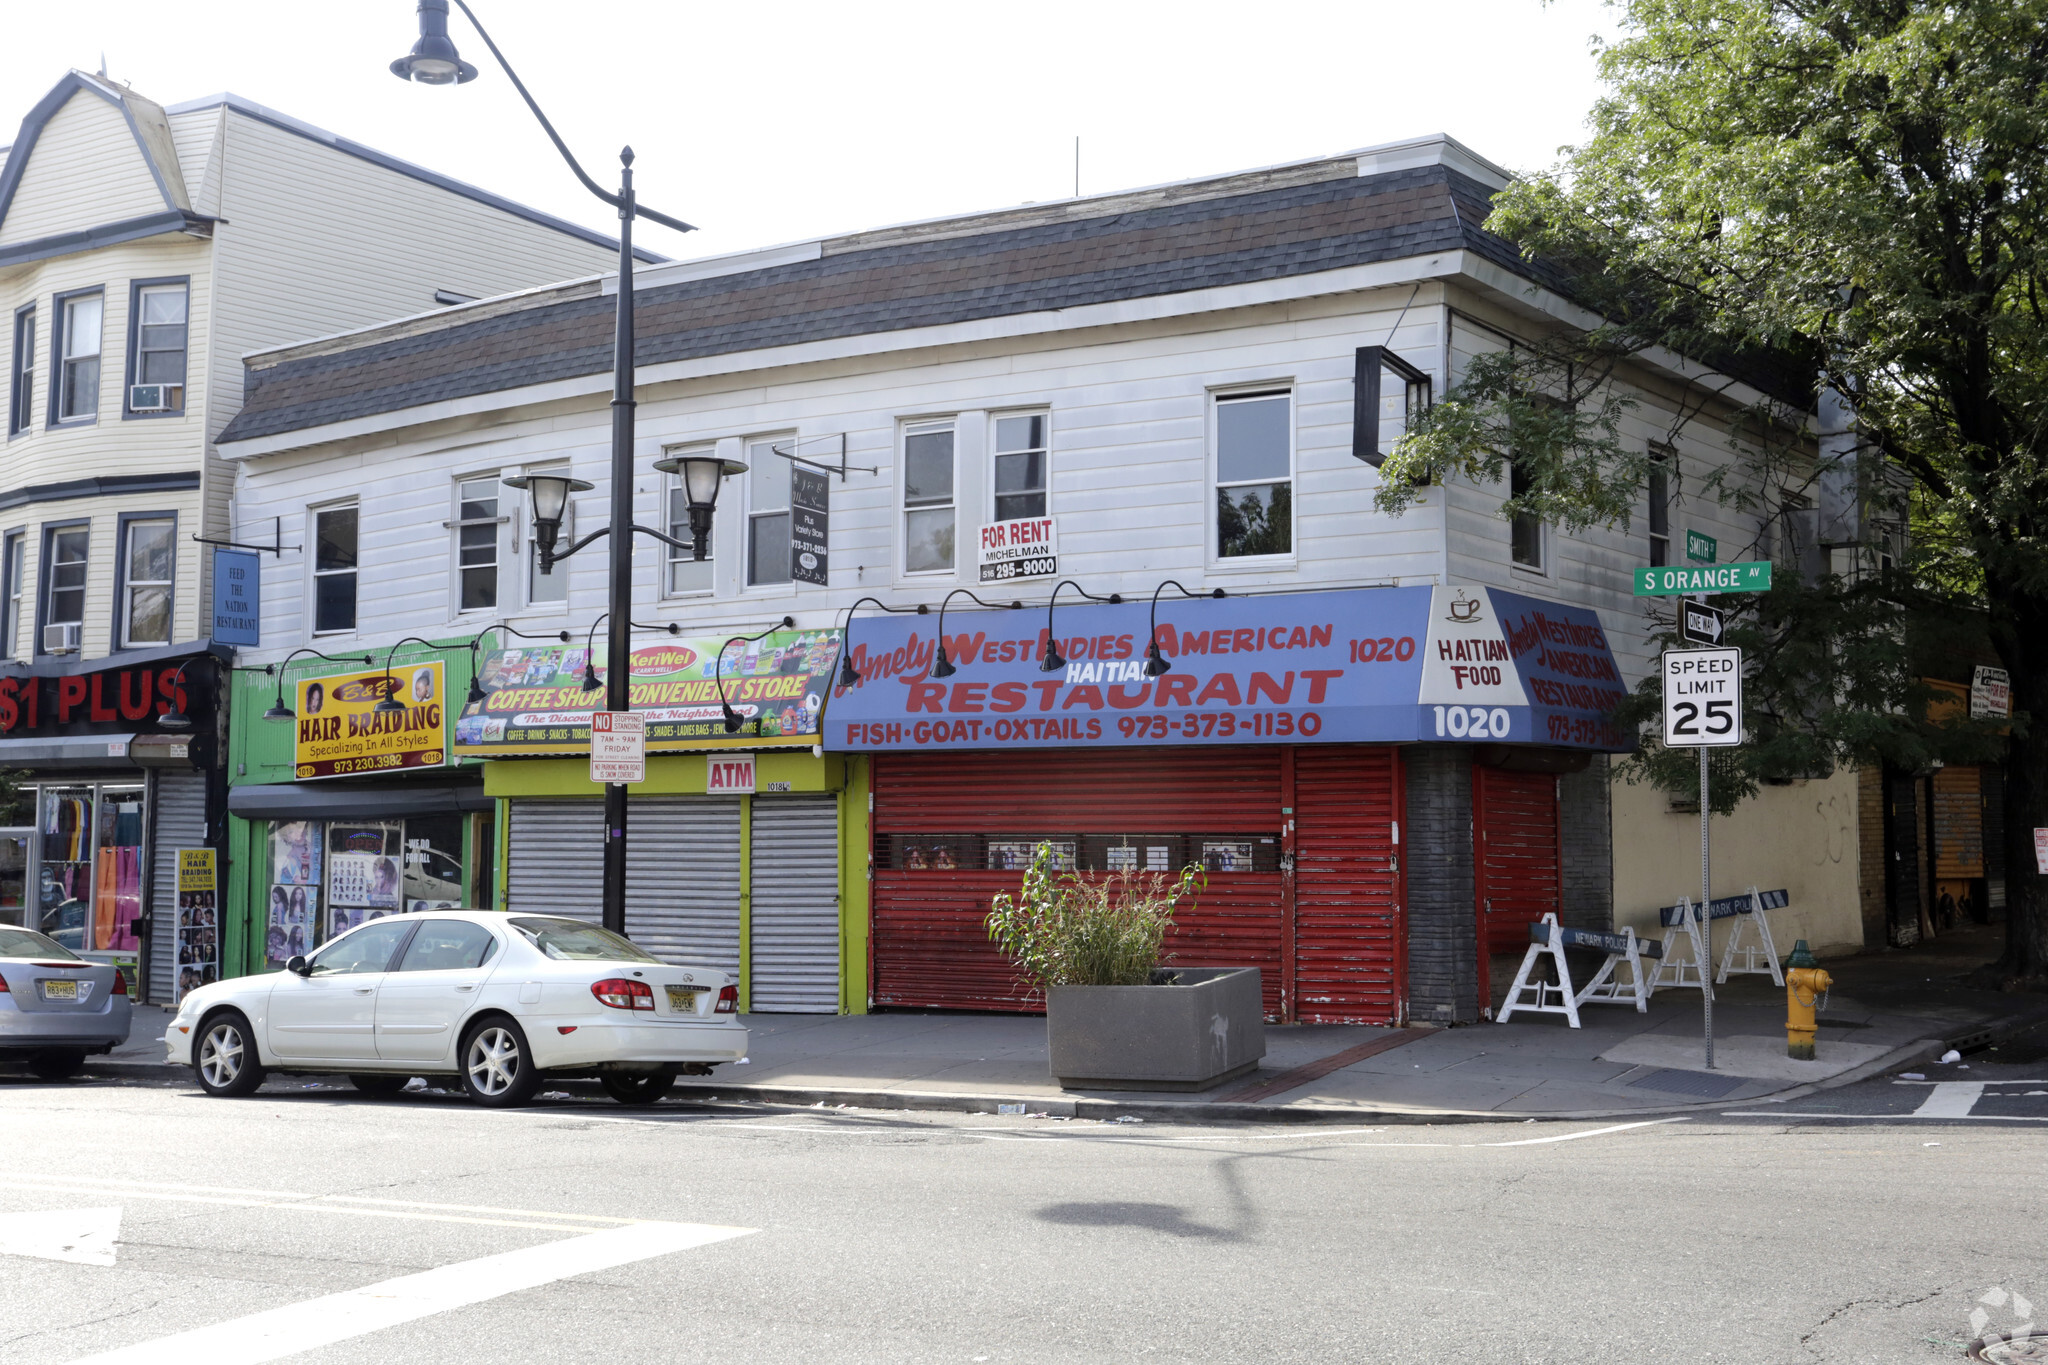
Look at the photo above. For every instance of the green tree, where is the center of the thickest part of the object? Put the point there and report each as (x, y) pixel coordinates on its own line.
(1846, 192)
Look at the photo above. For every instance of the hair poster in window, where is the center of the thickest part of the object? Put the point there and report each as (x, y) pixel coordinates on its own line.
(365, 880)
(198, 919)
(342, 732)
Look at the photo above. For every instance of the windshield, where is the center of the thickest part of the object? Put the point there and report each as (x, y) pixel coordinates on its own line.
(574, 941)
(29, 943)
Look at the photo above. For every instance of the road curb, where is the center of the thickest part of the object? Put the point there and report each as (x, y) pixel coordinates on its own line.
(797, 1097)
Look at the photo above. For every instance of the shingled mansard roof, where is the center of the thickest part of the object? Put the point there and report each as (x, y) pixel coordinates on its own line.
(1288, 221)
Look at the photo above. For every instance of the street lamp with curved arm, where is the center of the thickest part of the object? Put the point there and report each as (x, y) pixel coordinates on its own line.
(1054, 661)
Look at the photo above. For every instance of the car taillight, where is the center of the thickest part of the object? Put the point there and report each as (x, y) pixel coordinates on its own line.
(120, 984)
(622, 994)
(728, 1000)
(3, 985)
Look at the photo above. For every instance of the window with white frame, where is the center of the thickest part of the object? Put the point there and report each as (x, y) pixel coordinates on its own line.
(146, 586)
(928, 525)
(21, 401)
(160, 337)
(65, 550)
(686, 573)
(334, 569)
(551, 588)
(78, 367)
(476, 543)
(13, 561)
(1254, 473)
(767, 512)
(1021, 456)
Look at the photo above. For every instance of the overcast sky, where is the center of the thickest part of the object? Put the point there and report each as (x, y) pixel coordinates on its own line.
(764, 123)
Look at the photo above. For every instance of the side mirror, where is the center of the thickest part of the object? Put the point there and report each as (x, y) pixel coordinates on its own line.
(298, 966)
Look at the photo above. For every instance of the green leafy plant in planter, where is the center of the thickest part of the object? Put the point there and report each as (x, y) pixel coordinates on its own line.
(1064, 928)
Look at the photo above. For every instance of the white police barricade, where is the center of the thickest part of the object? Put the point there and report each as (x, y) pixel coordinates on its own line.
(1684, 956)
(1751, 940)
(1548, 937)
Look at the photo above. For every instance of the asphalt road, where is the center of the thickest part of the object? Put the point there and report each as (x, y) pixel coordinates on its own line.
(230, 1231)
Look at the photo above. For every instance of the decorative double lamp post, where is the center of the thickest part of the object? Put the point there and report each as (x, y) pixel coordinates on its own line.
(434, 61)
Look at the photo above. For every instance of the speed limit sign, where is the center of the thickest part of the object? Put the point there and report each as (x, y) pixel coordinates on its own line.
(1702, 698)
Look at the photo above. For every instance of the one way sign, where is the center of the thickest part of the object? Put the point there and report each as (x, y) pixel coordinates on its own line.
(1699, 623)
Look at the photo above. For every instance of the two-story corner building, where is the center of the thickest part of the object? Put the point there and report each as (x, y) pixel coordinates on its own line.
(1383, 738)
(143, 251)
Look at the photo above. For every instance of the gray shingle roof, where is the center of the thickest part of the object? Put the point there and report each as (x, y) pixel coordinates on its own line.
(1231, 239)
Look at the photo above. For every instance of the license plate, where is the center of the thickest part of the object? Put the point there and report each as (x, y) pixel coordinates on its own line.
(683, 999)
(60, 990)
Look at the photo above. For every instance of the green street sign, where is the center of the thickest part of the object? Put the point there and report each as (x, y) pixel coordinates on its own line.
(1701, 549)
(1753, 576)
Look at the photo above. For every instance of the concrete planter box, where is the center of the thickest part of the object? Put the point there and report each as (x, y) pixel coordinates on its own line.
(1193, 1028)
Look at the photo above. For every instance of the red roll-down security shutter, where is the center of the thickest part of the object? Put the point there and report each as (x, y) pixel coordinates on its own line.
(930, 946)
(1515, 849)
(1347, 885)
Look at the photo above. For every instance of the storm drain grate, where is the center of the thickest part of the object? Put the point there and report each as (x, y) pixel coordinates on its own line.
(1702, 1083)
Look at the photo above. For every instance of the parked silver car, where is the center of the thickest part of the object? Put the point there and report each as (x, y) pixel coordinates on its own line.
(56, 1007)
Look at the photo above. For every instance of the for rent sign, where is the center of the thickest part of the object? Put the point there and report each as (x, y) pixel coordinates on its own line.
(1023, 547)
(1388, 664)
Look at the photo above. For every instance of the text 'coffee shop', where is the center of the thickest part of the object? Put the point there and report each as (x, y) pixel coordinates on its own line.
(1319, 755)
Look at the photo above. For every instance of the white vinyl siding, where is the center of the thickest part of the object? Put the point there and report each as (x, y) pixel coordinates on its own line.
(52, 197)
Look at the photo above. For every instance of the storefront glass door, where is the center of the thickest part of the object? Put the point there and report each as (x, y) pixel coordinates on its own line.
(64, 877)
(14, 873)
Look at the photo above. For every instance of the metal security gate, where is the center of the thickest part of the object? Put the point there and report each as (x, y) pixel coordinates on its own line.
(950, 829)
(1348, 958)
(793, 914)
(1515, 854)
(682, 871)
(180, 822)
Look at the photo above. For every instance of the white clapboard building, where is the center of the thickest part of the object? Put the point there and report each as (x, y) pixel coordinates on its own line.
(144, 250)
(1194, 382)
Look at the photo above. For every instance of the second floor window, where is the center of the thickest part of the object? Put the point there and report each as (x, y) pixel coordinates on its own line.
(928, 525)
(476, 544)
(12, 561)
(1660, 508)
(78, 374)
(686, 573)
(64, 583)
(1525, 532)
(1020, 461)
(767, 513)
(1254, 474)
(21, 401)
(160, 337)
(334, 569)
(146, 582)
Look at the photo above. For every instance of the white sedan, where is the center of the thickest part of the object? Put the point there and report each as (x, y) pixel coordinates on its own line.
(501, 1001)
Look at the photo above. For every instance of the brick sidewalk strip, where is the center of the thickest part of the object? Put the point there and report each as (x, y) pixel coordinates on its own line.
(1320, 1067)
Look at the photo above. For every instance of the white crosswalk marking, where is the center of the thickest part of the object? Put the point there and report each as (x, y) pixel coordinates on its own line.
(298, 1327)
(1950, 1100)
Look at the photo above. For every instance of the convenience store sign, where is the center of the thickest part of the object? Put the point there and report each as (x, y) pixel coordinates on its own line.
(1371, 665)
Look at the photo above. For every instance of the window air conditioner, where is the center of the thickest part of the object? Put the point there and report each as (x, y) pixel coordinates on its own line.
(61, 638)
(155, 397)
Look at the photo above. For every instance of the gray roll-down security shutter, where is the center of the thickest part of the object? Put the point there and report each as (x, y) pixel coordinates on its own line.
(794, 922)
(682, 871)
(180, 823)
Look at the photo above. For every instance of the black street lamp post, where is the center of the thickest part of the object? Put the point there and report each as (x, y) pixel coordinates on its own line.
(434, 61)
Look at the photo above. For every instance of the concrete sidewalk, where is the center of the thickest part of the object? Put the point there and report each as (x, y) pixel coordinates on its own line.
(1887, 1010)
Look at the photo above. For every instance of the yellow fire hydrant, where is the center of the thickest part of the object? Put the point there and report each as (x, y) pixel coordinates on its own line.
(1805, 985)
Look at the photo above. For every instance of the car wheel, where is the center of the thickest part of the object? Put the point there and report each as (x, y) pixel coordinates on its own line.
(497, 1068)
(636, 1087)
(56, 1066)
(378, 1083)
(225, 1060)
